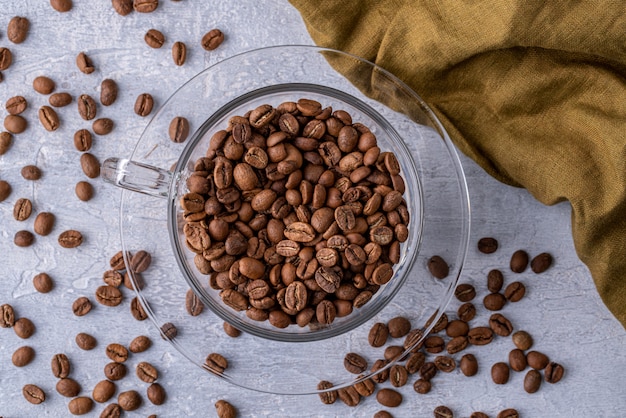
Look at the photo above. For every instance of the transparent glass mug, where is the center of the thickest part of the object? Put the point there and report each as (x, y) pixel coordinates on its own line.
(436, 196)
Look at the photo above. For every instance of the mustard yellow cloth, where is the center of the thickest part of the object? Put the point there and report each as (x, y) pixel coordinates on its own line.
(533, 91)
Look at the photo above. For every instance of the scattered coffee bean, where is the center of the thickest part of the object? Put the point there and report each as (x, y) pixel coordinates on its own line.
(389, 397)
(193, 304)
(393, 352)
(169, 331)
(519, 261)
(44, 223)
(140, 344)
(179, 129)
(225, 410)
(15, 124)
(457, 344)
(383, 414)
(23, 356)
(145, 6)
(500, 373)
(154, 38)
(541, 263)
(108, 92)
(443, 411)
(140, 261)
(33, 394)
(469, 365)
(68, 387)
(500, 325)
(179, 53)
(428, 371)
(6, 139)
(83, 140)
(48, 118)
(60, 99)
(7, 316)
(18, 29)
(327, 397)
(146, 372)
(230, 330)
(508, 413)
(5, 190)
(16, 105)
(553, 372)
(6, 58)
(81, 306)
(522, 340)
(466, 312)
(115, 371)
(537, 360)
(86, 107)
(22, 209)
(515, 291)
(137, 311)
(378, 334)
(123, 7)
(112, 410)
(103, 391)
(43, 85)
(532, 381)
(144, 104)
(517, 360)
(43, 283)
(478, 414)
(438, 267)
(398, 375)
(102, 126)
(495, 280)
(90, 165)
(84, 191)
(156, 394)
(445, 364)
(494, 301)
(80, 405)
(84, 63)
(70, 239)
(31, 172)
(117, 352)
(108, 295)
(399, 327)
(212, 39)
(480, 336)
(61, 5)
(60, 365)
(487, 245)
(24, 328)
(457, 328)
(354, 363)
(465, 292)
(422, 386)
(85, 341)
(23, 238)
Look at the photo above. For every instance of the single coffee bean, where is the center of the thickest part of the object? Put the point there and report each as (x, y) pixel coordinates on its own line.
(48, 118)
(43, 85)
(522, 340)
(465, 292)
(487, 245)
(517, 360)
(61, 6)
(179, 129)
(479, 414)
(457, 328)
(31, 172)
(354, 363)
(112, 410)
(61, 99)
(382, 375)
(554, 372)
(129, 400)
(480, 336)
(466, 312)
(117, 352)
(85, 341)
(414, 339)
(515, 291)
(84, 63)
(519, 261)
(445, 364)
(225, 410)
(541, 263)
(16, 105)
(495, 280)
(156, 394)
(469, 365)
(117, 261)
(81, 306)
(500, 325)
(90, 165)
(140, 261)
(532, 381)
(349, 396)
(193, 304)
(457, 344)
(108, 92)
(18, 29)
(494, 301)
(537, 360)
(145, 6)
(398, 375)
(60, 365)
(146, 372)
(70, 239)
(123, 7)
(23, 238)
(137, 310)
(399, 327)
(212, 39)
(33, 394)
(414, 362)
(154, 38)
(103, 126)
(169, 331)
(84, 191)
(5, 190)
(103, 391)
(383, 414)
(377, 336)
(365, 387)
(23, 356)
(434, 344)
(179, 53)
(68, 387)
(230, 330)
(22, 209)
(438, 267)
(508, 413)
(443, 411)
(140, 344)
(115, 371)
(393, 352)
(83, 140)
(428, 370)
(24, 328)
(5, 143)
(108, 295)
(7, 316)
(43, 283)
(86, 107)
(6, 58)
(500, 373)
(44, 223)
(15, 124)
(422, 386)
(389, 397)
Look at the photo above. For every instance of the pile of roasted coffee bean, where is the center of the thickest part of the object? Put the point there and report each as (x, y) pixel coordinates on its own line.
(442, 354)
(295, 213)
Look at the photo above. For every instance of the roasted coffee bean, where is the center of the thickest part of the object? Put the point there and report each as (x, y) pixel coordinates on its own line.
(393, 352)
(349, 396)
(84, 191)
(84, 63)
(382, 375)
(354, 363)
(193, 303)
(154, 38)
(33, 394)
(22, 209)
(169, 331)
(108, 92)
(156, 394)
(457, 328)
(83, 140)
(23, 356)
(508, 413)
(495, 280)
(494, 301)
(123, 7)
(60, 99)
(537, 360)
(137, 310)
(325, 312)
(103, 391)
(466, 312)
(438, 267)
(443, 411)
(469, 365)
(140, 261)
(377, 336)
(515, 291)
(108, 295)
(115, 371)
(517, 360)
(414, 339)
(428, 370)
(434, 344)
(117, 261)
(146, 372)
(553, 372)
(6, 58)
(61, 5)
(43, 85)
(145, 6)
(7, 316)
(445, 364)
(112, 410)
(129, 400)
(500, 373)
(415, 362)
(112, 278)
(144, 104)
(24, 328)
(422, 386)
(68, 387)
(327, 396)
(399, 327)
(487, 245)
(15, 124)
(31, 172)
(90, 165)
(500, 325)
(44, 223)
(18, 29)
(480, 336)
(179, 129)
(541, 263)
(532, 381)
(522, 340)
(102, 126)
(225, 410)
(43, 283)
(465, 292)
(383, 414)
(179, 53)
(81, 306)
(398, 375)
(85, 341)
(230, 330)
(86, 107)
(365, 387)
(479, 415)
(16, 105)
(140, 344)
(519, 261)
(5, 143)
(23, 238)
(117, 352)
(60, 365)
(212, 39)
(389, 397)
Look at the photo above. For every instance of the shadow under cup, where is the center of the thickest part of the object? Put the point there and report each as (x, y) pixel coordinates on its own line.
(388, 139)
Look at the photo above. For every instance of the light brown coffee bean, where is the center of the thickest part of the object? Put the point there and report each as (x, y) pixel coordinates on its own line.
(23, 356)
(6, 58)
(140, 344)
(108, 295)
(18, 29)
(33, 394)
(24, 328)
(15, 124)
(6, 139)
(515, 291)
(457, 328)
(494, 301)
(68, 387)
(517, 360)
(193, 304)
(115, 371)
(216, 363)
(466, 312)
(103, 391)
(22, 209)
(90, 165)
(398, 375)
(154, 38)
(31, 172)
(438, 267)
(225, 410)
(23, 238)
(16, 105)
(554, 372)
(500, 373)
(522, 340)
(378, 334)
(144, 104)
(84, 63)
(44, 223)
(84, 191)
(541, 263)
(61, 99)
(70, 239)
(43, 283)
(169, 331)
(61, 6)
(112, 410)
(422, 386)
(102, 126)
(389, 397)
(179, 53)
(212, 39)
(532, 381)
(399, 327)
(443, 411)
(117, 352)
(146, 372)
(479, 414)
(179, 129)
(469, 365)
(85, 341)
(465, 292)
(123, 7)
(129, 400)
(500, 325)
(81, 306)
(43, 85)
(108, 92)
(519, 261)
(140, 261)
(480, 335)
(7, 316)
(82, 140)
(60, 365)
(327, 397)
(354, 363)
(230, 330)
(537, 360)
(156, 394)
(145, 6)
(86, 107)
(495, 280)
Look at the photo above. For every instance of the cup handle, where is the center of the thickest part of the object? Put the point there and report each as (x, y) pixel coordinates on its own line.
(137, 177)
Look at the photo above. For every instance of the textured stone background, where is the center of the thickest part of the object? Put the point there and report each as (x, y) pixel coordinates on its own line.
(561, 310)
